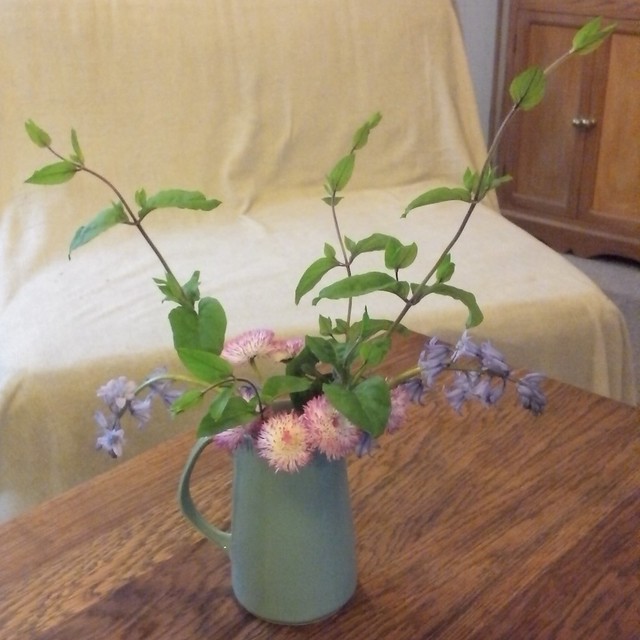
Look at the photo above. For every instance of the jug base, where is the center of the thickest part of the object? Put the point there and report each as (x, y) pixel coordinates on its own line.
(299, 623)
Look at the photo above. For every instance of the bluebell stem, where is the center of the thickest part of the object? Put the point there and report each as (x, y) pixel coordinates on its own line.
(481, 373)
(163, 387)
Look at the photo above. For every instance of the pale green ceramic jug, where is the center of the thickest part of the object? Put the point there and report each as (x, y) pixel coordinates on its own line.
(291, 543)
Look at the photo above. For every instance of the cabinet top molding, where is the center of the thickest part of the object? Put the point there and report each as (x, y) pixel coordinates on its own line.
(623, 9)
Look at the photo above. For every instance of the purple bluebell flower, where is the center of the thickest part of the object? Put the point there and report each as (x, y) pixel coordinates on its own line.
(489, 390)
(117, 392)
(365, 444)
(247, 391)
(466, 347)
(415, 390)
(461, 389)
(141, 409)
(493, 360)
(111, 438)
(530, 394)
(433, 360)
(163, 388)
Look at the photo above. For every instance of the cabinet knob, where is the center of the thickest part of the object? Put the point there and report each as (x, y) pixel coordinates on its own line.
(584, 123)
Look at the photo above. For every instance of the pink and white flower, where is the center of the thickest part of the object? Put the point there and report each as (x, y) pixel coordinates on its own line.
(285, 349)
(248, 345)
(284, 442)
(329, 431)
(400, 400)
(231, 439)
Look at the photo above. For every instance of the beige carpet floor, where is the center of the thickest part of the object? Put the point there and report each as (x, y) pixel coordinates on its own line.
(620, 280)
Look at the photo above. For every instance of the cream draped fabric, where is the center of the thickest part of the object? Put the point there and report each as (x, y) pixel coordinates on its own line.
(252, 102)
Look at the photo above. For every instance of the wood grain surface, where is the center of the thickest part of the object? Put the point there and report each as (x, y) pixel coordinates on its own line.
(489, 525)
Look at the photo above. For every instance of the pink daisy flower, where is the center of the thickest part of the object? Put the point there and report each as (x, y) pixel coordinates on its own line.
(400, 400)
(284, 442)
(329, 430)
(231, 439)
(285, 349)
(248, 346)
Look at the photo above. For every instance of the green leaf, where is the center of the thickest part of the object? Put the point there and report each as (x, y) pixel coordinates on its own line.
(340, 175)
(373, 352)
(342, 328)
(500, 180)
(368, 327)
(186, 295)
(591, 36)
(487, 180)
(527, 88)
(206, 366)
(55, 173)
(191, 288)
(329, 251)
(207, 427)
(141, 198)
(360, 285)
(349, 244)
(331, 200)
(178, 199)
(173, 291)
(325, 326)
(469, 179)
(234, 413)
(220, 402)
(399, 256)
(302, 364)
(184, 326)
(187, 400)
(475, 316)
(78, 155)
(361, 136)
(374, 242)
(323, 350)
(277, 386)
(439, 194)
(212, 325)
(313, 274)
(38, 136)
(106, 219)
(367, 406)
(445, 269)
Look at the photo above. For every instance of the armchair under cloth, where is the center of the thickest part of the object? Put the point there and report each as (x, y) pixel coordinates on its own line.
(251, 102)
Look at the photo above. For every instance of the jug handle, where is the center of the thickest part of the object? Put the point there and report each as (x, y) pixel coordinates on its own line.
(187, 506)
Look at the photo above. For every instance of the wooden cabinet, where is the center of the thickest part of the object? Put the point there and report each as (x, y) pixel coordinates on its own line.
(575, 158)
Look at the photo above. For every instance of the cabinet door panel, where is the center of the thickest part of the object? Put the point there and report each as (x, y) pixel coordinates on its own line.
(617, 184)
(575, 158)
(546, 142)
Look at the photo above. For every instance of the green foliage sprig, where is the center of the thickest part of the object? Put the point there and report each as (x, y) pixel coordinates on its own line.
(340, 361)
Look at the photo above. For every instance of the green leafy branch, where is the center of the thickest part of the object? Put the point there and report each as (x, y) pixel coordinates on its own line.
(340, 361)
(119, 212)
(526, 91)
(351, 393)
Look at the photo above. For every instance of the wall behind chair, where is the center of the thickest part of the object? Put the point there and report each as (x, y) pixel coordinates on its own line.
(479, 22)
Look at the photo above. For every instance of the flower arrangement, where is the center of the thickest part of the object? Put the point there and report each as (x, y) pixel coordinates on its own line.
(336, 402)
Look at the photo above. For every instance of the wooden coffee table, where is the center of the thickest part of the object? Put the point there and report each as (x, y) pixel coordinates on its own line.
(489, 525)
